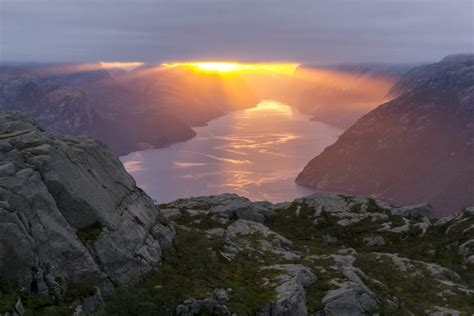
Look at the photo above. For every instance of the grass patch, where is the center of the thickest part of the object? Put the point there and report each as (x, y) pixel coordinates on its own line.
(417, 292)
(34, 304)
(78, 290)
(90, 232)
(193, 269)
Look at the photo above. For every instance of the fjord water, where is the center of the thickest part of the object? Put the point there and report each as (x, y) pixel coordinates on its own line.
(255, 152)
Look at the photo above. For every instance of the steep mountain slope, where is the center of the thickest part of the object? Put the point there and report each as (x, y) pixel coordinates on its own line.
(418, 147)
(89, 104)
(145, 108)
(58, 107)
(71, 219)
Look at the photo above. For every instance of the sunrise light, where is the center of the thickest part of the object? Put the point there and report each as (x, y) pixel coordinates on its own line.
(123, 65)
(227, 67)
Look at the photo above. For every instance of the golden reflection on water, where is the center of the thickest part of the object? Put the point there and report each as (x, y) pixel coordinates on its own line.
(255, 152)
(271, 107)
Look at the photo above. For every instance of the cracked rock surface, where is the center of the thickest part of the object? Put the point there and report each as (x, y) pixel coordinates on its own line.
(69, 213)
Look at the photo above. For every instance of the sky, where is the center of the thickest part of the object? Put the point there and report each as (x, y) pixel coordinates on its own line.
(303, 31)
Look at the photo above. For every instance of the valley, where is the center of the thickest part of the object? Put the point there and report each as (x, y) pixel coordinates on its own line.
(255, 152)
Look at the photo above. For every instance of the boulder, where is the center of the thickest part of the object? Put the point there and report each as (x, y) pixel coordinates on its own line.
(416, 211)
(291, 295)
(70, 213)
(170, 215)
(228, 205)
(349, 300)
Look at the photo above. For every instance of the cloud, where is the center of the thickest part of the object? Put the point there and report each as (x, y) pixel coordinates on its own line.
(320, 31)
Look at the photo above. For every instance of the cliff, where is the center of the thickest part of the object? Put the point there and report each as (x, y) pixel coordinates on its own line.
(70, 215)
(417, 147)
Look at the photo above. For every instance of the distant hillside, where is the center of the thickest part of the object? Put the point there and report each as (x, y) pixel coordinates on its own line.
(417, 147)
(130, 111)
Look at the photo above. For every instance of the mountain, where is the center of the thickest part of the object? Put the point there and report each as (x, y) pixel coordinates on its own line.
(417, 147)
(71, 101)
(78, 237)
(60, 108)
(145, 108)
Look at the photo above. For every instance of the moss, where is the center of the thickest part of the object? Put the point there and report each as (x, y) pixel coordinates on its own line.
(356, 207)
(372, 205)
(34, 304)
(78, 290)
(8, 296)
(348, 199)
(193, 269)
(417, 292)
(396, 220)
(90, 232)
(316, 292)
(201, 221)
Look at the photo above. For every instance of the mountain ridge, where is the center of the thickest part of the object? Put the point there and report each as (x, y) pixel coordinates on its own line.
(417, 147)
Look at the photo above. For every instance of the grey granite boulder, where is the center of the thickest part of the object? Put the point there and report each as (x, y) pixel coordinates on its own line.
(229, 205)
(349, 300)
(290, 290)
(70, 213)
(415, 211)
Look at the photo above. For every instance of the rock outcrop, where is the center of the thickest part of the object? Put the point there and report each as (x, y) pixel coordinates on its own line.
(415, 148)
(324, 254)
(70, 215)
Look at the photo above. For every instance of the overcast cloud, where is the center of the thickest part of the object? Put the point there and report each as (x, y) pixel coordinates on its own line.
(321, 31)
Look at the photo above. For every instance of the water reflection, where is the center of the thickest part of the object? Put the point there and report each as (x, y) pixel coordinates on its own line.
(256, 153)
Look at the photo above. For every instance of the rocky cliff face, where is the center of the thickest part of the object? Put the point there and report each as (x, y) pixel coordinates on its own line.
(418, 147)
(60, 108)
(70, 215)
(89, 103)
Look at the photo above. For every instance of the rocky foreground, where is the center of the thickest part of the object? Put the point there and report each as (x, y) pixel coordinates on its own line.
(73, 224)
(325, 254)
(78, 237)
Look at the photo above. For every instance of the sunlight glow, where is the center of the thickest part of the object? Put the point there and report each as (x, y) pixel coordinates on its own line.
(122, 65)
(226, 67)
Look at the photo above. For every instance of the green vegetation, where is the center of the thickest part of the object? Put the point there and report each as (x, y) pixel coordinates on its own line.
(78, 290)
(195, 266)
(416, 292)
(193, 269)
(90, 232)
(372, 205)
(34, 304)
(201, 221)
